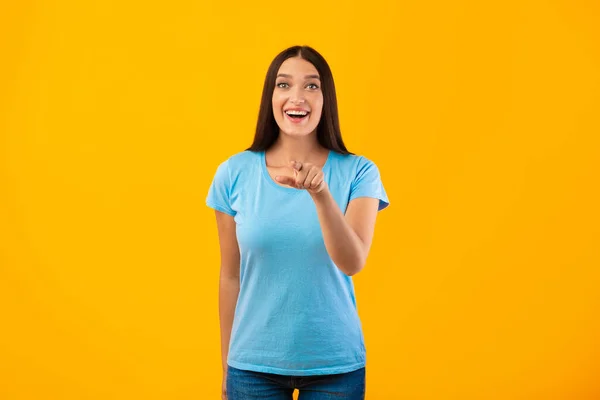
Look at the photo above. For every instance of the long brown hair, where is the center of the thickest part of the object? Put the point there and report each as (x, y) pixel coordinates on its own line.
(328, 129)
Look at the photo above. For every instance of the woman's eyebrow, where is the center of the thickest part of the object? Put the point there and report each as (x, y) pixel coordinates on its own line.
(306, 77)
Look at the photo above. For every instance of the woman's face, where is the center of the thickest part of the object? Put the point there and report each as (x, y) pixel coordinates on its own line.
(297, 97)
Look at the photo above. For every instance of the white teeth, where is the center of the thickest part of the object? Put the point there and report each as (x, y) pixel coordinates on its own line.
(294, 112)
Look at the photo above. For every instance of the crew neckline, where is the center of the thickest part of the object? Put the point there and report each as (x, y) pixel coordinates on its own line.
(267, 176)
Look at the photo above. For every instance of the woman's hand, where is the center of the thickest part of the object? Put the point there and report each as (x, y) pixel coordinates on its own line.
(306, 176)
(224, 387)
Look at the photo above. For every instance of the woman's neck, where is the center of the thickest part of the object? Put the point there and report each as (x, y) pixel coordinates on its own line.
(303, 149)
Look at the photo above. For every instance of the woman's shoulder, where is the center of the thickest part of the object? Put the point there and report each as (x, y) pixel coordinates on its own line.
(355, 161)
(241, 159)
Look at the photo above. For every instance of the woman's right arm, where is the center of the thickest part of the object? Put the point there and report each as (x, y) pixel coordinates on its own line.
(229, 280)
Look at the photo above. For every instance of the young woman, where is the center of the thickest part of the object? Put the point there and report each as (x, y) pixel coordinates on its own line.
(295, 215)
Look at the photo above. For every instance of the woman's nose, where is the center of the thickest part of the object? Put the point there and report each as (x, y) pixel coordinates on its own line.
(297, 96)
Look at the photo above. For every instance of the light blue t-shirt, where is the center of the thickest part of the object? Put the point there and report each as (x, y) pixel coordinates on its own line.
(296, 312)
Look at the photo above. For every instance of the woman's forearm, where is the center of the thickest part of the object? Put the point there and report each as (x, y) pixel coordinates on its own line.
(343, 244)
(229, 289)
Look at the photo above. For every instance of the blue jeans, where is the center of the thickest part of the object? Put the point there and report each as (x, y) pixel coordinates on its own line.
(246, 385)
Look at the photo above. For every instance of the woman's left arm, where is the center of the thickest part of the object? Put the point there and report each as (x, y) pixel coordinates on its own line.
(347, 237)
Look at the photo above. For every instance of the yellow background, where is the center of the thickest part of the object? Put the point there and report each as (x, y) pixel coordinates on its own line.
(483, 281)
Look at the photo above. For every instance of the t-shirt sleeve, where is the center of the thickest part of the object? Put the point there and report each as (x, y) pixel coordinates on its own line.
(367, 183)
(219, 192)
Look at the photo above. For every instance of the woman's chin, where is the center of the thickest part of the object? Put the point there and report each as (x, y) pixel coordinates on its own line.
(297, 133)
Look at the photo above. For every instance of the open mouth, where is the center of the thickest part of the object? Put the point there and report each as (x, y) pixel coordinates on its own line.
(297, 115)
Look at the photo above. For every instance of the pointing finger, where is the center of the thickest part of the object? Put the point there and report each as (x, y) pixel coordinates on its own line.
(286, 180)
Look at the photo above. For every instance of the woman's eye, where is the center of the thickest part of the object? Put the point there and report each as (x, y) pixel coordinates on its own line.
(282, 85)
(312, 86)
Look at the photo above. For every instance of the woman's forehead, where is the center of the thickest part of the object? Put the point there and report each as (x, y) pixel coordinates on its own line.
(296, 66)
